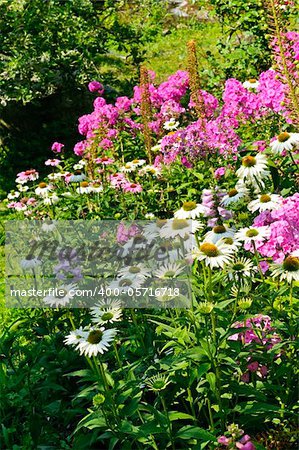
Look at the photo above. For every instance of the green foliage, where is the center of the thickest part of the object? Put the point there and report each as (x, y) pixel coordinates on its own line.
(244, 43)
(47, 45)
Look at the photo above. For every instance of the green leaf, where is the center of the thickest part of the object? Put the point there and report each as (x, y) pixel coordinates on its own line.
(191, 432)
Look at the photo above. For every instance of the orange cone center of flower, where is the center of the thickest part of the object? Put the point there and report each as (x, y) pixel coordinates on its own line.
(291, 264)
(249, 161)
(232, 192)
(78, 172)
(219, 229)
(42, 185)
(265, 198)
(84, 184)
(107, 316)
(189, 206)
(282, 137)
(95, 336)
(252, 233)
(179, 224)
(209, 249)
(252, 80)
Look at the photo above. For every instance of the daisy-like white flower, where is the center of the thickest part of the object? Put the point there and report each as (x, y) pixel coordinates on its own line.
(56, 176)
(253, 168)
(48, 226)
(30, 262)
(51, 199)
(84, 188)
(61, 296)
(96, 341)
(125, 283)
(179, 227)
(75, 336)
(234, 195)
(190, 210)
(265, 202)
(128, 167)
(96, 187)
(250, 234)
(214, 255)
(239, 268)
(149, 216)
(138, 270)
(138, 162)
(284, 141)
(171, 270)
(103, 315)
(252, 83)
(219, 232)
(13, 195)
(43, 189)
(152, 229)
(151, 170)
(22, 188)
(288, 270)
(77, 177)
(78, 166)
(171, 124)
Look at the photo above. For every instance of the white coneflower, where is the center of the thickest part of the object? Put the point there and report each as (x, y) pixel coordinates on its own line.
(149, 216)
(51, 199)
(152, 229)
(96, 187)
(138, 270)
(138, 162)
(56, 176)
(97, 340)
(219, 232)
(265, 202)
(252, 83)
(128, 167)
(126, 283)
(240, 267)
(103, 315)
(14, 194)
(253, 168)
(75, 336)
(61, 296)
(43, 189)
(78, 166)
(171, 124)
(288, 270)
(84, 188)
(180, 227)
(22, 188)
(151, 170)
(284, 141)
(190, 210)
(234, 195)
(48, 226)
(250, 234)
(30, 262)
(171, 270)
(77, 177)
(214, 255)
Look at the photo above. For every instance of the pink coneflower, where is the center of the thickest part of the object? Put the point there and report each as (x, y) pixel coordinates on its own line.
(52, 162)
(27, 175)
(105, 160)
(118, 179)
(132, 187)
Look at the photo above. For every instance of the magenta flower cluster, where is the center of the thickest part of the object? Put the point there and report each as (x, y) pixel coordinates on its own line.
(283, 223)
